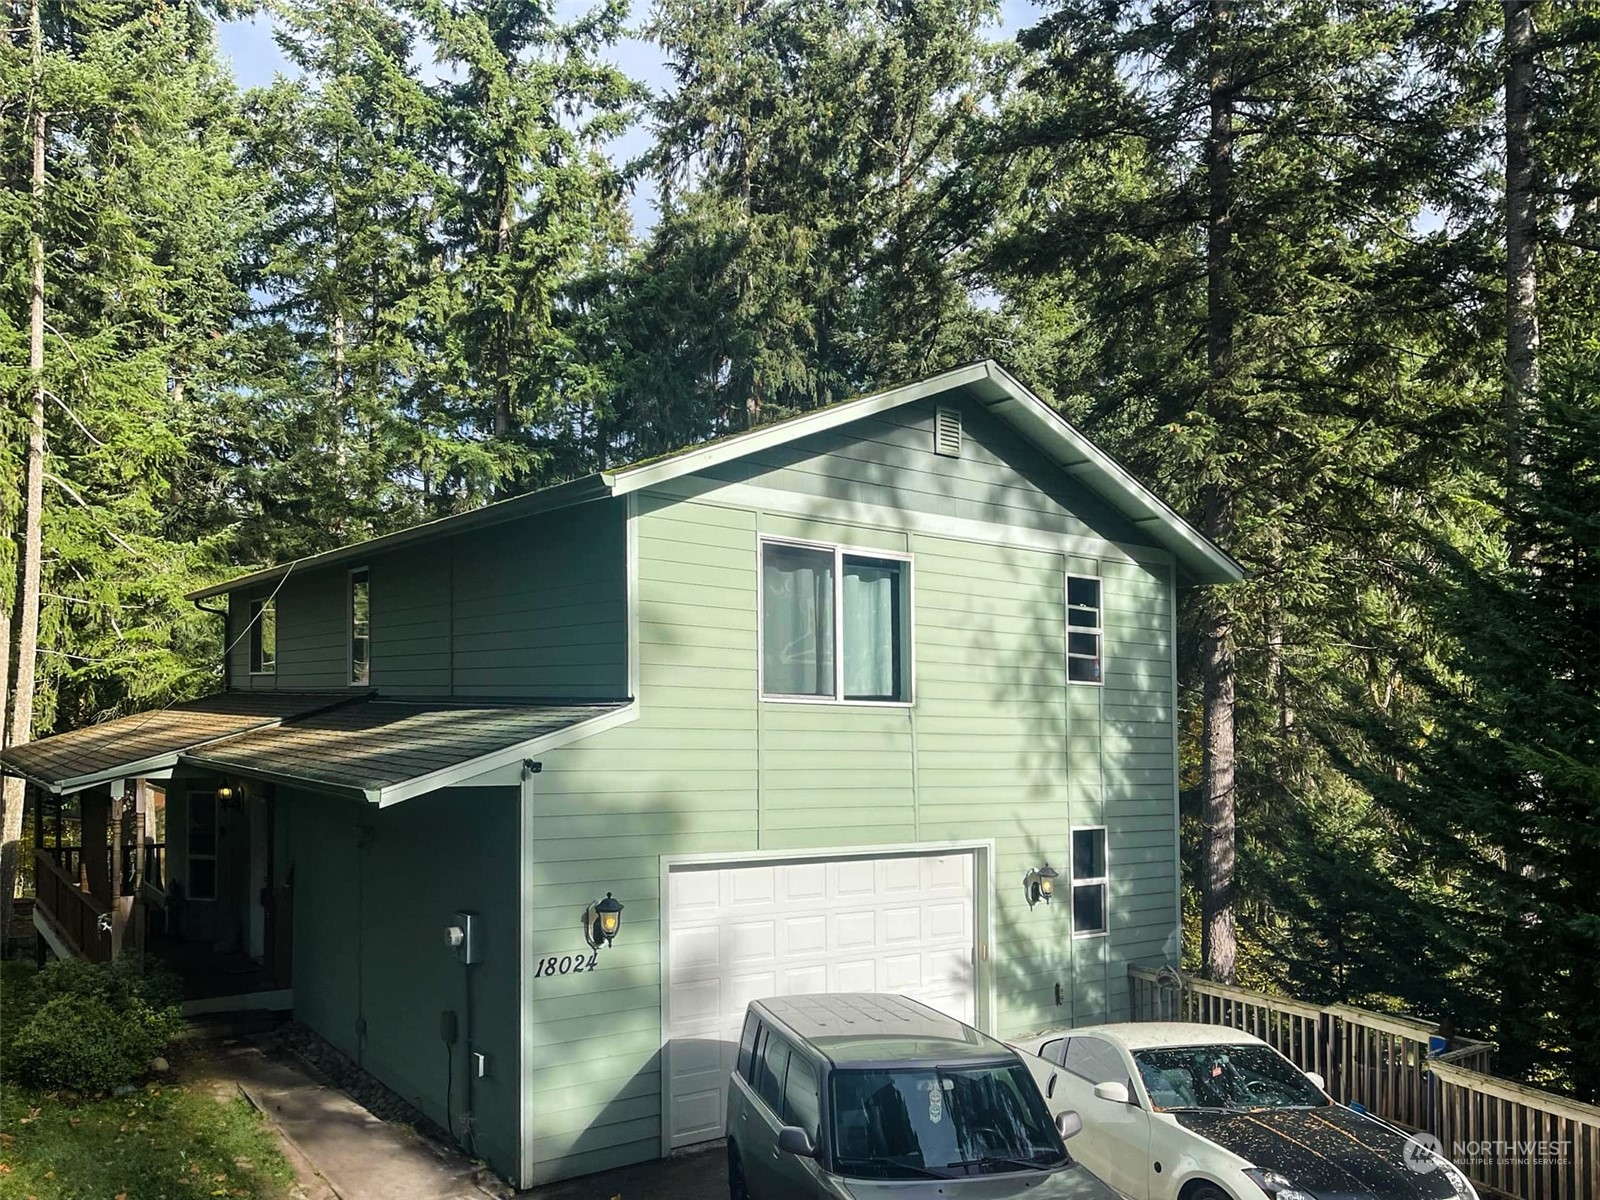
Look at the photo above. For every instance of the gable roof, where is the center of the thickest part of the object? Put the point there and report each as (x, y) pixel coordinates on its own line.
(984, 382)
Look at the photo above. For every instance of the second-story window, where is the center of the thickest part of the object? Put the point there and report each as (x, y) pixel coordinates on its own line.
(360, 627)
(835, 624)
(1085, 631)
(263, 637)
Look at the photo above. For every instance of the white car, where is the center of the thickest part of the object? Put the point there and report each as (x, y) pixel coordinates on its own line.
(1201, 1112)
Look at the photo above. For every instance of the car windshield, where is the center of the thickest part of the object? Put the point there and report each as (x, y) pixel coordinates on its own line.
(944, 1122)
(1234, 1078)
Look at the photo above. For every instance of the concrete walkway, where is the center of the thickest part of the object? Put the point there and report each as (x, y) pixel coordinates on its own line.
(339, 1149)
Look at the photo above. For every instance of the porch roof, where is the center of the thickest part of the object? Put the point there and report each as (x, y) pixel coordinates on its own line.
(385, 751)
(150, 742)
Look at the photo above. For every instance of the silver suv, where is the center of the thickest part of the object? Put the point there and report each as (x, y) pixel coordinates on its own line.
(853, 1096)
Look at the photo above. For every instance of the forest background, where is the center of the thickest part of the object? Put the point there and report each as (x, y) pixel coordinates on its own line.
(1324, 274)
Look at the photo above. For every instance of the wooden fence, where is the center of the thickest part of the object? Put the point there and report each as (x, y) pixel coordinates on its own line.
(1510, 1139)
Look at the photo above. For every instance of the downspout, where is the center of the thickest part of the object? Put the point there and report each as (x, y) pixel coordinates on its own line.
(227, 665)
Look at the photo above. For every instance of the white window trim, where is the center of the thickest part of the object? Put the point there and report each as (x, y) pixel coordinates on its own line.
(350, 626)
(189, 855)
(1103, 881)
(839, 551)
(1069, 628)
(258, 606)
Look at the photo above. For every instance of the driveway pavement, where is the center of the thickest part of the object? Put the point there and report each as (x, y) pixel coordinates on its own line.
(700, 1176)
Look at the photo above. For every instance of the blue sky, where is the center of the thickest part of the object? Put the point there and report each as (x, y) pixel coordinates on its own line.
(256, 60)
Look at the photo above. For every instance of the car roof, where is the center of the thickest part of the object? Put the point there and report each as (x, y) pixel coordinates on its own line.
(870, 1030)
(1149, 1035)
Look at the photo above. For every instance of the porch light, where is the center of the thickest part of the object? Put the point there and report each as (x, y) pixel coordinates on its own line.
(603, 920)
(1041, 883)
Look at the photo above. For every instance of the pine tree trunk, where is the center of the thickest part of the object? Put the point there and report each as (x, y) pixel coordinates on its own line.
(26, 623)
(502, 338)
(1522, 233)
(1516, 1030)
(1218, 943)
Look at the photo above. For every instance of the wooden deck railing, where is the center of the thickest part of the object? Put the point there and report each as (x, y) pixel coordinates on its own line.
(1394, 1067)
(78, 916)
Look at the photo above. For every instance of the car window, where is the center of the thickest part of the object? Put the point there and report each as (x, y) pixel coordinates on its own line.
(1095, 1060)
(747, 1043)
(802, 1100)
(770, 1071)
(1054, 1051)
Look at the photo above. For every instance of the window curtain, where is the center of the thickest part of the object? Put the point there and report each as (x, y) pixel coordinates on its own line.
(797, 621)
(871, 628)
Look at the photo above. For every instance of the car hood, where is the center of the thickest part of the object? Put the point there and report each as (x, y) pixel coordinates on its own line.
(1068, 1183)
(1332, 1152)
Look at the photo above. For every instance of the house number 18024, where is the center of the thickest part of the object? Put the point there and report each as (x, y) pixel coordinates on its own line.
(567, 964)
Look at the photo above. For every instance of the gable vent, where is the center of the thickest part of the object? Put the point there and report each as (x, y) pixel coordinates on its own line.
(947, 432)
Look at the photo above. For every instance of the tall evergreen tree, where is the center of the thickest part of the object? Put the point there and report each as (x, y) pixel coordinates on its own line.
(1220, 204)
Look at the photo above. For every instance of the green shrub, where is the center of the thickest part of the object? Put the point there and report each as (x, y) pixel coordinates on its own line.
(92, 1026)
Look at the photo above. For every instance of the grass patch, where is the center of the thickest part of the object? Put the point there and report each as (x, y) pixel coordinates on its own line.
(164, 1142)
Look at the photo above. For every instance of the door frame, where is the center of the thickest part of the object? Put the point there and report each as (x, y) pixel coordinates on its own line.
(983, 896)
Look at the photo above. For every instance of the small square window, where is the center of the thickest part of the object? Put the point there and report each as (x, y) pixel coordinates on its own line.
(263, 637)
(1085, 634)
(1090, 889)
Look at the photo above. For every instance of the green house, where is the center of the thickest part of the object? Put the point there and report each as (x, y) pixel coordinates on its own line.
(878, 698)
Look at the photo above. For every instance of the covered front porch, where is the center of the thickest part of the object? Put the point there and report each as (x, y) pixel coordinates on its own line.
(134, 853)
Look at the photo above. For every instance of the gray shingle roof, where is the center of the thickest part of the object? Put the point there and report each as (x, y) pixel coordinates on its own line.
(376, 746)
(151, 741)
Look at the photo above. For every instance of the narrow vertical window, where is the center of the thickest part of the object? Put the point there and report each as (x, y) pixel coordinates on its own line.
(263, 637)
(1090, 893)
(360, 627)
(797, 620)
(1085, 634)
(202, 845)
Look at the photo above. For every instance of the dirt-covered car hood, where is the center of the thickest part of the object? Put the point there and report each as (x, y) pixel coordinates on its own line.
(1332, 1152)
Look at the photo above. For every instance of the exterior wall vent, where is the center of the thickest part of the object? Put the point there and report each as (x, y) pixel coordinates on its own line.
(947, 432)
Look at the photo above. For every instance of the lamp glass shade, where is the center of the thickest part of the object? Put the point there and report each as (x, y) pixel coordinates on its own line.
(608, 914)
(1047, 880)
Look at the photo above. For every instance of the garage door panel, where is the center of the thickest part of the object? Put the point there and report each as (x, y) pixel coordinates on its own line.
(899, 923)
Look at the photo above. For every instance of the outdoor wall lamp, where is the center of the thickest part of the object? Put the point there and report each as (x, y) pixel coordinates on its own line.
(601, 920)
(1041, 884)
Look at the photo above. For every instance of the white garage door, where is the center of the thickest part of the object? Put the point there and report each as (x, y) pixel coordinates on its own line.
(895, 924)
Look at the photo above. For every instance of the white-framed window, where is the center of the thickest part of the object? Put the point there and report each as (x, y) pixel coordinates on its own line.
(1091, 893)
(360, 626)
(1085, 629)
(263, 637)
(835, 624)
(202, 827)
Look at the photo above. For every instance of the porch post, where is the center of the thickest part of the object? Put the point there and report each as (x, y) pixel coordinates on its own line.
(114, 822)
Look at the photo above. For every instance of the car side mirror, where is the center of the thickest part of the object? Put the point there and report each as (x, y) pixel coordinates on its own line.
(1317, 1081)
(1069, 1124)
(1117, 1093)
(794, 1140)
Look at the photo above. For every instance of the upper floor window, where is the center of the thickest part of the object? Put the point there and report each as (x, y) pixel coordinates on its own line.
(263, 637)
(360, 627)
(835, 624)
(1085, 632)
